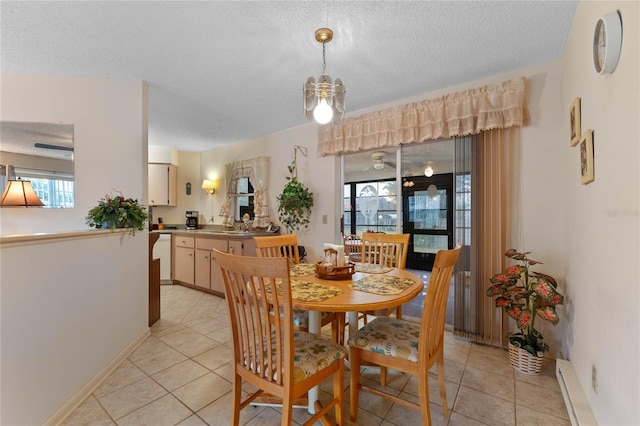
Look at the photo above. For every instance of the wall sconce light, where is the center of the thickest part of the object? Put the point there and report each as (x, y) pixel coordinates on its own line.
(20, 193)
(428, 170)
(209, 186)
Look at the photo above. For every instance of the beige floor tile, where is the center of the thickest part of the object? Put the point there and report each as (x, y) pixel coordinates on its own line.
(151, 346)
(484, 408)
(196, 346)
(495, 361)
(168, 327)
(434, 390)
(158, 362)
(179, 337)
(453, 371)
(193, 420)
(541, 399)
(487, 382)
(528, 417)
(546, 379)
(90, 412)
(374, 404)
(179, 375)
(132, 397)
(222, 335)
(124, 375)
(460, 420)
(166, 411)
(219, 411)
(401, 415)
(202, 391)
(215, 358)
(457, 352)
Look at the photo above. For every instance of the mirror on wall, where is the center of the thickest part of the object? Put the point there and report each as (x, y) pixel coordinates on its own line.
(43, 154)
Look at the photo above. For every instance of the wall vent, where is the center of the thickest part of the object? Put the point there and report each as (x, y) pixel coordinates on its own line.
(574, 397)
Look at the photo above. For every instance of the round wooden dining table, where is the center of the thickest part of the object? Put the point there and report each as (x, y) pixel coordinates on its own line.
(369, 288)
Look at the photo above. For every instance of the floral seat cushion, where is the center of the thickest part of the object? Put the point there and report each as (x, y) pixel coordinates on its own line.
(389, 336)
(311, 354)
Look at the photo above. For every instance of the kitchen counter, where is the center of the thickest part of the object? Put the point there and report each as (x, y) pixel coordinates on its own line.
(214, 232)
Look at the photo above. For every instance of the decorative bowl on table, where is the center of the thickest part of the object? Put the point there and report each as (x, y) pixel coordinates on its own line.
(331, 272)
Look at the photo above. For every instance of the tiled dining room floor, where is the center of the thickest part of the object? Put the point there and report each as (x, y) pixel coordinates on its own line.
(181, 375)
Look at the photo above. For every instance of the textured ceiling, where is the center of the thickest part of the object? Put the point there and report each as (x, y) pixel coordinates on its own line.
(226, 71)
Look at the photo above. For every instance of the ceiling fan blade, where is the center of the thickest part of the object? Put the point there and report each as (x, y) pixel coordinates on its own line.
(49, 146)
(390, 164)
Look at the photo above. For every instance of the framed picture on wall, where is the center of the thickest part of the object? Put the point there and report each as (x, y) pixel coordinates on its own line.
(586, 157)
(574, 120)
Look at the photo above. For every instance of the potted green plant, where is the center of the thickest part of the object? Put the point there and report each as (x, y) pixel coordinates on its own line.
(526, 295)
(118, 212)
(295, 202)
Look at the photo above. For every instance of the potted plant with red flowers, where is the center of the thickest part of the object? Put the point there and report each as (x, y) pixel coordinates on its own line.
(116, 211)
(526, 295)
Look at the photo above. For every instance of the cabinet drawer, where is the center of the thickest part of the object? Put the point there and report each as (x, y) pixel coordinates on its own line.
(212, 243)
(185, 241)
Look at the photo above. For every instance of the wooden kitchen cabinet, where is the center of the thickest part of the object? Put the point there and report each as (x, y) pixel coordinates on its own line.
(184, 259)
(207, 273)
(194, 264)
(163, 184)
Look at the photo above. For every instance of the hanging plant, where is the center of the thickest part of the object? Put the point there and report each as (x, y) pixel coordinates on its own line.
(295, 201)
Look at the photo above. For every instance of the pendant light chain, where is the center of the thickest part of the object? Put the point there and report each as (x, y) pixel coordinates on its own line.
(324, 61)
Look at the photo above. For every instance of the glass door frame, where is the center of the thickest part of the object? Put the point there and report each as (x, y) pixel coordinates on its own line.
(424, 261)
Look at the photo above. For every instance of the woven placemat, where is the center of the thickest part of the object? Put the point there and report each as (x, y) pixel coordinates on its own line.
(382, 284)
(302, 269)
(306, 291)
(372, 268)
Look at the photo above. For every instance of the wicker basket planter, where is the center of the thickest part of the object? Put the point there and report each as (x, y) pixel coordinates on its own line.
(524, 362)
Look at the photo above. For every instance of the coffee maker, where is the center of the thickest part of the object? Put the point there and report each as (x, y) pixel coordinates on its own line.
(192, 219)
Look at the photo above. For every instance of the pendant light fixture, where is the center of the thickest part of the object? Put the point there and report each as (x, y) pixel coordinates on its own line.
(428, 170)
(323, 100)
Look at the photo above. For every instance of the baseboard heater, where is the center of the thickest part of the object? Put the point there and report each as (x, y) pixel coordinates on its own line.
(574, 397)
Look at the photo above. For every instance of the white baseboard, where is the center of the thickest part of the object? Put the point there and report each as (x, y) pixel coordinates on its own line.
(574, 397)
(67, 408)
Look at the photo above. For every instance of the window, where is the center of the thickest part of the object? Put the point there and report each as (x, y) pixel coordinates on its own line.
(54, 189)
(375, 207)
(244, 199)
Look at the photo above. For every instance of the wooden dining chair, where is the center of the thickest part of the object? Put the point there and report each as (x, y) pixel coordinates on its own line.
(353, 247)
(406, 346)
(287, 246)
(267, 352)
(386, 250)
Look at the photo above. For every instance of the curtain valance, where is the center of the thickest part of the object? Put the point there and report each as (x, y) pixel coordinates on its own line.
(457, 114)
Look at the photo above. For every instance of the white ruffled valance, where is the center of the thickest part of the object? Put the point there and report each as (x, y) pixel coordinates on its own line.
(457, 114)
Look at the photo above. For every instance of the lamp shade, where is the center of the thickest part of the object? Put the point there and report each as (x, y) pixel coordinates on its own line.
(20, 193)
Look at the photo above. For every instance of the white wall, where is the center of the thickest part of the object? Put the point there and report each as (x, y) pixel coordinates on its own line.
(602, 225)
(110, 141)
(69, 308)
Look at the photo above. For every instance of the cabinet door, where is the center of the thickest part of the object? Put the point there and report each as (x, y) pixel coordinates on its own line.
(203, 268)
(184, 264)
(163, 188)
(208, 273)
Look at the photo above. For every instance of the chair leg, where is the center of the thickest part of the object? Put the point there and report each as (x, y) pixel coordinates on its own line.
(287, 410)
(423, 390)
(237, 395)
(338, 379)
(383, 376)
(354, 382)
(399, 312)
(441, 381)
